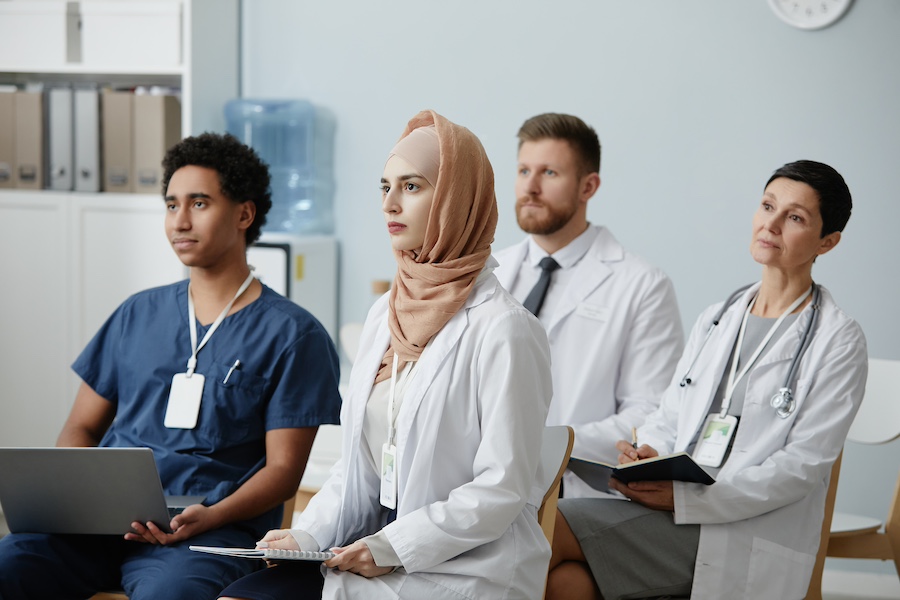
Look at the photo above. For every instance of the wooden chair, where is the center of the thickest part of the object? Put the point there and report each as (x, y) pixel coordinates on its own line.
(349, 337)
(853, 536)
(815, 583)
(556, 448)
(286, 520)
(878, 422)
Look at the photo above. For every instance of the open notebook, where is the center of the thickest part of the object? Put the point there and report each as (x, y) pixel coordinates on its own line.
(672, 467)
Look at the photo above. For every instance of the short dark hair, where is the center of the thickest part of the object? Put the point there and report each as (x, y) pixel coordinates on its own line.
(243, 176)
(835, 203)
(557, 126)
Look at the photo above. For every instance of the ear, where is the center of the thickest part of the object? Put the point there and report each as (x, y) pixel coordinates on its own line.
(246, 214)
(590, 183)
(828, 242)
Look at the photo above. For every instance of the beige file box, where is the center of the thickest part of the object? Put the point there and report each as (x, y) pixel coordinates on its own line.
(7, 138)
(157, 127)
(29, 131)
(118, 112)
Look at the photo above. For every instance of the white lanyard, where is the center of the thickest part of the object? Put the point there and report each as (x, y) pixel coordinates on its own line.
(390, 415)
(732, 381)
(192, 318)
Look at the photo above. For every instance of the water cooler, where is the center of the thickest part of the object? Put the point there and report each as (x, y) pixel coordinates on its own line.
(296, 140)
(297, 255)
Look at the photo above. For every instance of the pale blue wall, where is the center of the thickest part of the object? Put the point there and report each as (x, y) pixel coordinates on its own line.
(695, 101)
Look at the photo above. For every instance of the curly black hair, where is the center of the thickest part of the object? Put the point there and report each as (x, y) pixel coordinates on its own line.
(243, 175)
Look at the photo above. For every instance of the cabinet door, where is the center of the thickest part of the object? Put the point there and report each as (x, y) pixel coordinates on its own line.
(34, 357)
(121, 249)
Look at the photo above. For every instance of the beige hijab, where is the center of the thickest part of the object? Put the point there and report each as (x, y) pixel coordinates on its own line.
(430, 288)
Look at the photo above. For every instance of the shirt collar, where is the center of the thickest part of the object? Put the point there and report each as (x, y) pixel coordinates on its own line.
(567, 256)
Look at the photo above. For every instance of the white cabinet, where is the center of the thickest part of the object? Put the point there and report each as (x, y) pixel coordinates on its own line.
(208, 74)
(33, 319)
(70, 258)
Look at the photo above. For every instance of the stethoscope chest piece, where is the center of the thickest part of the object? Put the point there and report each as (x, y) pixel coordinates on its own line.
(784, 403)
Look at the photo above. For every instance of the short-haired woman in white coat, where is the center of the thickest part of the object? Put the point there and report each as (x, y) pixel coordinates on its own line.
(451, 386)
(753, 533)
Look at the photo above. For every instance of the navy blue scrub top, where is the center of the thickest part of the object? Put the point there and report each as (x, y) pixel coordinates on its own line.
(288, 377)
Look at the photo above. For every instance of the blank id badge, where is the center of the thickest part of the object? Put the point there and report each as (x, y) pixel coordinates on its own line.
(389, 476)
(713, 443)
(183, 408)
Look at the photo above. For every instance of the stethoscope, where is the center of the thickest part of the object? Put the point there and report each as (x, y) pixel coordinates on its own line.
(783, 401)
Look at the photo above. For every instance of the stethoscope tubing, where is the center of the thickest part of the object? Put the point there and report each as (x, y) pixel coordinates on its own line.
(785, 406)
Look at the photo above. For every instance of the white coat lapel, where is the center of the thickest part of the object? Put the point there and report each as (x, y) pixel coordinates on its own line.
(590, 272)
(709, 371)
(435, 356)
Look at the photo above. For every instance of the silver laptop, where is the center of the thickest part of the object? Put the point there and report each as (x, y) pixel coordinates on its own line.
(83, 490)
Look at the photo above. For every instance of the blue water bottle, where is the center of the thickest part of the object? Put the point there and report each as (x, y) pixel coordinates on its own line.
(296, 140)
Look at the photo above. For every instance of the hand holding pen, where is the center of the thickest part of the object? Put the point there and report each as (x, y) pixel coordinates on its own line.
(632, 452)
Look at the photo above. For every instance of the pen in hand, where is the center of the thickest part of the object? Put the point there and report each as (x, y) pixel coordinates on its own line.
(634, 443)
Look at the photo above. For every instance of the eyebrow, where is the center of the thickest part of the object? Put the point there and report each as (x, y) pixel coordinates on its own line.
(191, 196)
(405, 177)
(795, 205)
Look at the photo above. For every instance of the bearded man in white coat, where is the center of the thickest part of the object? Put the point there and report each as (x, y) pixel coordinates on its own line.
(612, 318)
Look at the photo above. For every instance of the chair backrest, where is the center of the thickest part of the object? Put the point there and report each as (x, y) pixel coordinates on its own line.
(815, 583)
(288, 517)
(878, 419)
(556, 448)
(349, 336)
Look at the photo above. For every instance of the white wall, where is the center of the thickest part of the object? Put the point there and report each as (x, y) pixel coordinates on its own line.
(695, 101)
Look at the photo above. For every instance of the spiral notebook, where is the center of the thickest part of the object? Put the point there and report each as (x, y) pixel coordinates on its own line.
(265, 553)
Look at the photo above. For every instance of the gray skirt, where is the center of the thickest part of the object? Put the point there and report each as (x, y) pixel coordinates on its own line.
(633, 551)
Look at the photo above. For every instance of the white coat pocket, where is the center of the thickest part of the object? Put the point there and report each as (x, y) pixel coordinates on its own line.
(773, 568)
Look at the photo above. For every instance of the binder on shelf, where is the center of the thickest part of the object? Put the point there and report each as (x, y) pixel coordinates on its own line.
(7, 138)
(59, 139)
(157, 127)
(117, 119)
(87, 140)
(29, 134)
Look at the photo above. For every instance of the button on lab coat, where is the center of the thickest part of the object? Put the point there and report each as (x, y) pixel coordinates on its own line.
(760, 523)
(614, 340)
(468, 445)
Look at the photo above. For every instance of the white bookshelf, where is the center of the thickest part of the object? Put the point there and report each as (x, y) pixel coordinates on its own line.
(71, 257)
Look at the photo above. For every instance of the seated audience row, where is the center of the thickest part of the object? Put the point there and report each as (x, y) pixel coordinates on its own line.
(435, 493)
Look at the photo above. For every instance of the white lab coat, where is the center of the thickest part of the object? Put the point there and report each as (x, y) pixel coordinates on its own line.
(614, 343)
(761, 521)
(468, 442)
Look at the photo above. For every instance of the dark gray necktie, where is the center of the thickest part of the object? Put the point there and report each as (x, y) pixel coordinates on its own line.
(536, 296)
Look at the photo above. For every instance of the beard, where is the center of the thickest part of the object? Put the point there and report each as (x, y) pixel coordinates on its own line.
(552, 220)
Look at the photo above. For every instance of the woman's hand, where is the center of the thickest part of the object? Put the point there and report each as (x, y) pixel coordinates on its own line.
(356, 558)
(629, 453)
(657, 495)
(278, 538)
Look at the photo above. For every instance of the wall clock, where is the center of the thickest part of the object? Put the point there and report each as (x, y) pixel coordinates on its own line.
(810, 14)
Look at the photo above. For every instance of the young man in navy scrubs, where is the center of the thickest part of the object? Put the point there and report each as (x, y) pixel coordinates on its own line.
(265, 373)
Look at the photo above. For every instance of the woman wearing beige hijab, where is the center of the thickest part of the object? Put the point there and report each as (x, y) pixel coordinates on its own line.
(434, 496)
